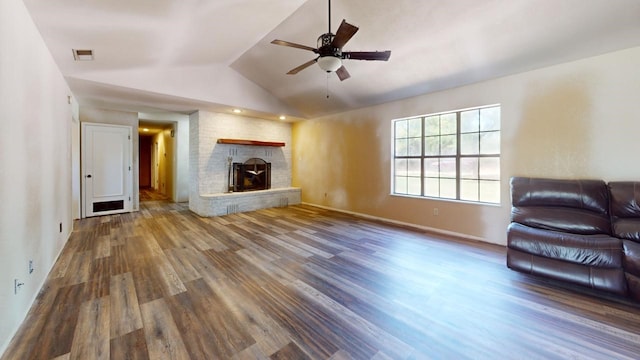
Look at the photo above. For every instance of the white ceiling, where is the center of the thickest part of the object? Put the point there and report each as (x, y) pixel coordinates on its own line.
(184, 55)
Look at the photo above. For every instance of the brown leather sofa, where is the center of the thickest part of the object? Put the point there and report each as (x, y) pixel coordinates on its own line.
(585, 232)
(625, 221)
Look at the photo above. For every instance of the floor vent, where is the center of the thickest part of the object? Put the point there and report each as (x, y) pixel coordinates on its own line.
(233, 208)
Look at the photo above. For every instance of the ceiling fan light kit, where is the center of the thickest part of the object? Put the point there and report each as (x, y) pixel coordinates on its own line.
(329, 63)
(329, 50)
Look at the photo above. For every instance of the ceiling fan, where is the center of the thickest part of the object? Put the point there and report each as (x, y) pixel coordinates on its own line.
(329, 50)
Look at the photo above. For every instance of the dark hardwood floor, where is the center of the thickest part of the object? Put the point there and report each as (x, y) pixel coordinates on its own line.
(303, 283)
(150, 194)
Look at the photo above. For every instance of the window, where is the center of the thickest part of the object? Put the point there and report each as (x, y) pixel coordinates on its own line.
(453, 155)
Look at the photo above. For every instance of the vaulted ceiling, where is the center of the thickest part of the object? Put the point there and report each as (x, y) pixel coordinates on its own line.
(184, 55)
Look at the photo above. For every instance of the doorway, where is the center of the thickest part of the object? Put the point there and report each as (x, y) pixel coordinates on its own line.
(145, 161)
(157, 158)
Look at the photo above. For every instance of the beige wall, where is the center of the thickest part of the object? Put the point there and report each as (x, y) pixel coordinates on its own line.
(35, 164)
(165, 157)
(169, 156)
(113, 117)
(575, 120)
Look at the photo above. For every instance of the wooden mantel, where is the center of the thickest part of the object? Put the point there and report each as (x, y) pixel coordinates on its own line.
(250, 142)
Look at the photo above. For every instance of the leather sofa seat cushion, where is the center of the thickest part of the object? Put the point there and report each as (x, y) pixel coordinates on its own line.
(606, 279)
(633, 283)
(589, 250)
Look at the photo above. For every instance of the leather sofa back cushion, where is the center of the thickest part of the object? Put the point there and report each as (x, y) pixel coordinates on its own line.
(590, 195)
(625, 196)
(627, 229)
(576, 206)
(625, 211)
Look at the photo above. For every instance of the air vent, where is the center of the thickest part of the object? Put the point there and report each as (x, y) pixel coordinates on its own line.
(83, 55)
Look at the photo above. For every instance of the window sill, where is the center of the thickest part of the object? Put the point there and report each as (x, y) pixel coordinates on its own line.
(446, 200)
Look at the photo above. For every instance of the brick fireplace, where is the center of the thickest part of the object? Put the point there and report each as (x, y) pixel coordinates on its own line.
(217, 142)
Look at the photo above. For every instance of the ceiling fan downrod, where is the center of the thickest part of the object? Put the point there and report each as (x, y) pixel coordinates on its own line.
(329, 17)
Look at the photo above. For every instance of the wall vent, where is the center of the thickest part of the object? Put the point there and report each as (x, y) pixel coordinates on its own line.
(82, 55)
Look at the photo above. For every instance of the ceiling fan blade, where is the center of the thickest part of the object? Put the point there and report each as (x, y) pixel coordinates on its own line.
(367, 55)
(302, 67)
(343, 74)
(294, 45)
(345, 33)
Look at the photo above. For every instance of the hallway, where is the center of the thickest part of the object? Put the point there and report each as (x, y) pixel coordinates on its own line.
(149, 194)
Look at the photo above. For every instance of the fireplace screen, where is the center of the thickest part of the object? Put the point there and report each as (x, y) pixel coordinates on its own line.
(253, 174)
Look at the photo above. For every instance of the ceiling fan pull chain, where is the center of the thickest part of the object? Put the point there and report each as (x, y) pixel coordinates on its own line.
(328, 85)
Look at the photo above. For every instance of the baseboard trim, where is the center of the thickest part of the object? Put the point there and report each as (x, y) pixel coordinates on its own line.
(416, 227)
(34, 297)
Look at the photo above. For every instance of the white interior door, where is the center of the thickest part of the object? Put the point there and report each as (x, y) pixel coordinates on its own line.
(106, 169)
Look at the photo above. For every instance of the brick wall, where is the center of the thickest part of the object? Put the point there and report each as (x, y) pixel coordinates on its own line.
(208, 161)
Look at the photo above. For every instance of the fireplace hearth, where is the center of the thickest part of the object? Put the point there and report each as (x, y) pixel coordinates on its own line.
(253, 174)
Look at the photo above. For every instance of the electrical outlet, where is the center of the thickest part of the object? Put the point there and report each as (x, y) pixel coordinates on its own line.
(436, 212)
(17, 285)
(31, 267)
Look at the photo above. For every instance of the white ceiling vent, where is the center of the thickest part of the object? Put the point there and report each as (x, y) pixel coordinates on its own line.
(83, 55)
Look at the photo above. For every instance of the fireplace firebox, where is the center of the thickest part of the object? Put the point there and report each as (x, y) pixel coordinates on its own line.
(253, 174)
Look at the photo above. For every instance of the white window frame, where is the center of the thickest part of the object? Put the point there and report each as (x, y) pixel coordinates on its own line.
(405, 167)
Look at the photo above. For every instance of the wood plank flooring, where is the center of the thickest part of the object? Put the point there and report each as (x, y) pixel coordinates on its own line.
(303, 283)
